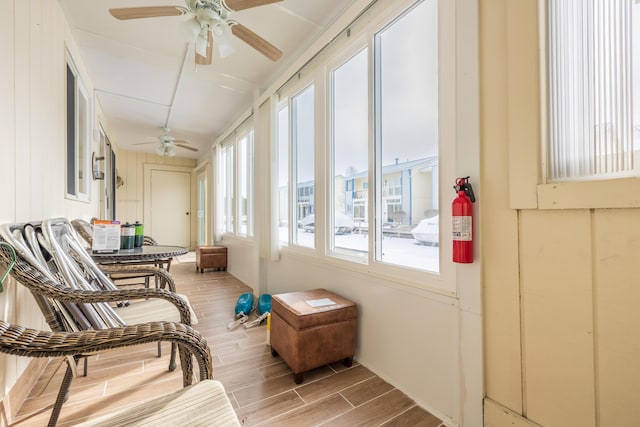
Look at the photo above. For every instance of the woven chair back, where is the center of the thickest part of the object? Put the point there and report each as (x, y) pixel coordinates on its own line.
(52, 249)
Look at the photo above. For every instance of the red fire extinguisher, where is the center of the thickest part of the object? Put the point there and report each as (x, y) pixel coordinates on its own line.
(462, 221)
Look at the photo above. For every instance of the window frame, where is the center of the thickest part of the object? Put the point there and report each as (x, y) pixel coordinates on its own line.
(283, 198)
(227, 185)
(248, 133)
(344, 55)
(294, 90)
(444, 280)
(79, 150)
(228, 218)
(602, 113)
(528, 127)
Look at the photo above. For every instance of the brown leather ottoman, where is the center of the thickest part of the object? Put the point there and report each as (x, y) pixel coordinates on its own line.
(211, 257)
(310, 329)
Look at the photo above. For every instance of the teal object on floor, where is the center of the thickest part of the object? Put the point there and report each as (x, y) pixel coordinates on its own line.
(245, 303)
(264, 304)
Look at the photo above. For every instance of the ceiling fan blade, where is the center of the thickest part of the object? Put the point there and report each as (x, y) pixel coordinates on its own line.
(144, 143)
(206, 60)
(146, 12)
(255, 41)
(247, 4)
(188, 147)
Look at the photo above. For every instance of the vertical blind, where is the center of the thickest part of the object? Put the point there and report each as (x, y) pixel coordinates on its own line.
(590, 89)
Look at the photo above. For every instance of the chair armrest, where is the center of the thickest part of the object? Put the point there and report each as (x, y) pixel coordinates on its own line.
(21, 341)
(80, 296)
(44, 286)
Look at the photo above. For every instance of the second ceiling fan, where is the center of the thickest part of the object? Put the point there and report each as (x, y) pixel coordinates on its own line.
(167, 144)
(210, 25)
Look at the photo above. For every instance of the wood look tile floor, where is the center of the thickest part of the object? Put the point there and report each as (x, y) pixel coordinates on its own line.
(260, 386)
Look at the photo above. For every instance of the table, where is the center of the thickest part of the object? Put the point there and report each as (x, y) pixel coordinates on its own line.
(148, 254)
(157, 255)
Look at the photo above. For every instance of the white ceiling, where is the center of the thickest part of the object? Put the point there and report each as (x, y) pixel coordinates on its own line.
(145, 77)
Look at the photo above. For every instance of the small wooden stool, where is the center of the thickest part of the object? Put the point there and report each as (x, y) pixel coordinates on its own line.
(310, 329)
(211, 257)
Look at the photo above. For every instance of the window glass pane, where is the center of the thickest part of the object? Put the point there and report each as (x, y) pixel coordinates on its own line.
(78, 126)
(83, 142)
(302, 132)
(202, 209)
(242, 186)
(283, 174)
(227, 186)
(593, 58)
(407, 222)
(635, 25)
(222, 163)
(71, 132)
(350, 130)
(245, 167)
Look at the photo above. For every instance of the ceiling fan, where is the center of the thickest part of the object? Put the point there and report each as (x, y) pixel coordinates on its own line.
(167, 144)
(209, 26)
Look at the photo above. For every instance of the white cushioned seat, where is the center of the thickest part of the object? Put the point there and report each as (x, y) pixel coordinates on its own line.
(158, 309)
(202, 404)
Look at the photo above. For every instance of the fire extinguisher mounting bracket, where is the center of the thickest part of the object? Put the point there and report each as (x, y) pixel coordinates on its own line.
(463, 184)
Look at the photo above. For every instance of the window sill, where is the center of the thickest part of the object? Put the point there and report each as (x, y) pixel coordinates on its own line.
(82, 199)
(613, 193)
(432, 283)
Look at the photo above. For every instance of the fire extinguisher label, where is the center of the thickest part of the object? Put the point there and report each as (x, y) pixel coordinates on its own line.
(461, 228)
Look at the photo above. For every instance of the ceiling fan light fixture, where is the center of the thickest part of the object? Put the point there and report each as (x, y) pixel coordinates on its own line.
(222, 35)
(202, 42)
(189, 29)
(160, 150)
(171, 151)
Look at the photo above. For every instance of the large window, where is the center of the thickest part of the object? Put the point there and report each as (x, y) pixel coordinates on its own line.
(78, 136)
(380, 192)
(594, 89)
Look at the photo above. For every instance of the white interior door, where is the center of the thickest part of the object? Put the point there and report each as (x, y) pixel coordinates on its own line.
(170, 207)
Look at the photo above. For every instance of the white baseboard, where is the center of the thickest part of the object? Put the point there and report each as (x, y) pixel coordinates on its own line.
(496, 415)
(10, 405)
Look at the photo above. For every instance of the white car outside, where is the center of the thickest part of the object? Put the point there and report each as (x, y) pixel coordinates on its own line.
(343, 224)
(427, 231)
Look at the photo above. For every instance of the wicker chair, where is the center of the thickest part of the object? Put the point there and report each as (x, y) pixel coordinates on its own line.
(204, 403)
(57, 250)
(68, 308)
